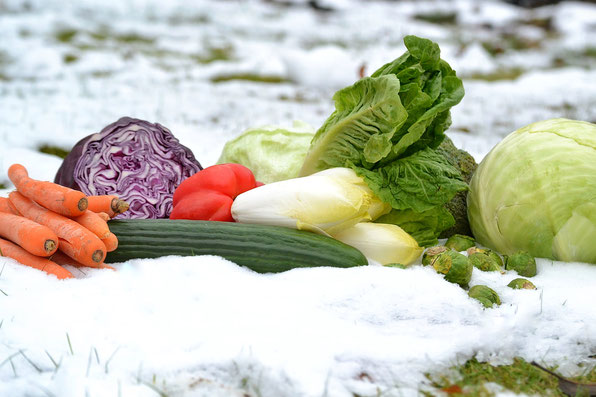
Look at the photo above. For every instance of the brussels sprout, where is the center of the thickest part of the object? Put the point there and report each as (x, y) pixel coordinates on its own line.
(432, 253)
(496, 257)
(460, 242)
(485, 295)
(483, 260)
(455, 266)
(522, 262)
(521, 283)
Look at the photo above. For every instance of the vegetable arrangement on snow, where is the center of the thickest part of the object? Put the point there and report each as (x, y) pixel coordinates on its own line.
(379, 175)
(140, 162)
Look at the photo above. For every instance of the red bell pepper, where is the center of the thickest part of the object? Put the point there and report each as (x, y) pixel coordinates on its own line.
(209, 194)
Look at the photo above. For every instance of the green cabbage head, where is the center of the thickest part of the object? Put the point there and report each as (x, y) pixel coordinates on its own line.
(536, 191)
(272, 153)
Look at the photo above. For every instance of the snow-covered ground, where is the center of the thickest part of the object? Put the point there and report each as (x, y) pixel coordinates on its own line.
(203, 326)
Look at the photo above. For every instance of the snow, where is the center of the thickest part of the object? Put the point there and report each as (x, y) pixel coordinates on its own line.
(203, 326)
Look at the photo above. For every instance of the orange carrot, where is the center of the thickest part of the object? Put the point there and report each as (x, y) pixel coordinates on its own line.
(110, 204)
(35, 238)
(17, 253)
(60, 199)
(6, 206)
(83, 245)
(94, 223)
(104, 216)
(62, 259)
(74, 253)
(111, 242)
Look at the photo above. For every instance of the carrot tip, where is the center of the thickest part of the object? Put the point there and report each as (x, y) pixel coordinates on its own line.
(83, 204)
(97, 256)
(50, 246)
(119, 206)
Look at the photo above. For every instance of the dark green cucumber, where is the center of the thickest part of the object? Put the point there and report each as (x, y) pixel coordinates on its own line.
(264, 249)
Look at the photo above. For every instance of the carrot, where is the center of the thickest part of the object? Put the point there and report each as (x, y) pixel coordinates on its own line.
(35, 238)
(60, 199)
(104, 216)
(108, 203)
(6, 206)
(83, 245)
(17, 253)
(111, 242)
(74, 253)
(94, 223)
(62, 259)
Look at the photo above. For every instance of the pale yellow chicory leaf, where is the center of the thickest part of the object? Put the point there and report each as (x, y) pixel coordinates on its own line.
(325, 202)
(384, 243)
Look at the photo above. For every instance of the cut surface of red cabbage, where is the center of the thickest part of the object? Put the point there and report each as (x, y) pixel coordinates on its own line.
(140, 162)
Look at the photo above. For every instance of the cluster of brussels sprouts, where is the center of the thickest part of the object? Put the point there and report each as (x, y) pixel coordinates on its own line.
(457, 267)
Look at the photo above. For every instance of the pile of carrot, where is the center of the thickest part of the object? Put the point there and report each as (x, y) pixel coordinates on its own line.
(46, 226)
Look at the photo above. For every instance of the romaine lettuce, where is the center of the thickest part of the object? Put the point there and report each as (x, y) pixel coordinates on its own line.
(387, 128)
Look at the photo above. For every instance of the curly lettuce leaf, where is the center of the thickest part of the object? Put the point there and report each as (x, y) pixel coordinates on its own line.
(388, 126)
(419, 182)
(424, 226)
(367, 115)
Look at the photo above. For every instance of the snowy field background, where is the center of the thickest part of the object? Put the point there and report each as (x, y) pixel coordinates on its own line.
(208, 70)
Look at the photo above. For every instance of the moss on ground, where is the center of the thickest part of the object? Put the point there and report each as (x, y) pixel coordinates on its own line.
(475, 378)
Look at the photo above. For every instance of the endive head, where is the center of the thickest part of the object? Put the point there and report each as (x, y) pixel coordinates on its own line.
(384, 243)
(326, 202)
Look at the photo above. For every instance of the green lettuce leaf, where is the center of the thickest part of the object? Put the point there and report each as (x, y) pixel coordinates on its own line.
(425, 226)
(419, 182)
(388, 126)
(367, 115)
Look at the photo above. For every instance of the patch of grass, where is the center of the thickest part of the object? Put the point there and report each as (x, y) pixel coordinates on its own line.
(249, 77)
(104, 33)
(590, 52)
(316, 42)
(4, 61)
(54, 150)
(133, 38)
(198, 19)
(214, 54)
(24, 33)
(2, 186)
(297, 97)
(582, 58)
(439, 18)
(545, 23)
(499, 75)
(65, 35)
(102, 74)
(70, 58)
(475, 378)
(505, 42)
(4, 58)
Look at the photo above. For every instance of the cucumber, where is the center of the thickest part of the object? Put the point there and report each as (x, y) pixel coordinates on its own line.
(264, 249)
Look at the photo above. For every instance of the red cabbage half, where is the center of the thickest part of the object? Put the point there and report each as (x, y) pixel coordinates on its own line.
(136, 160)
